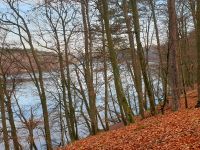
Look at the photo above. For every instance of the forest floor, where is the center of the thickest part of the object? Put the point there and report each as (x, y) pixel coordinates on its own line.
(173, 131)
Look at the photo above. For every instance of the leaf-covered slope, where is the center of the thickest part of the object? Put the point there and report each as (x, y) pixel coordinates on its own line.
(173, 131)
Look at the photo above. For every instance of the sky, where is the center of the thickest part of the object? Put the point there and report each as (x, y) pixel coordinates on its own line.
(26, 10)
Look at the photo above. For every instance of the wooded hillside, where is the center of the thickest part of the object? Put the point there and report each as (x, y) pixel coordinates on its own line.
(90, 65)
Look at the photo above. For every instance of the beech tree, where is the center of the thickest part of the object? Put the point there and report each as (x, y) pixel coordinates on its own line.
(147, 82)
(135, 61)
(88, 66)
(62, 16)
(21, 24)
(113, 58)
(172, 45)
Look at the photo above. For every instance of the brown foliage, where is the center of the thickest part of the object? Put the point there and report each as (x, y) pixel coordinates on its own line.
(179, 130)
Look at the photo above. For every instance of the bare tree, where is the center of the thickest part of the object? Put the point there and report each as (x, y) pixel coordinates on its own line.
(21, 24)
(135, 61)
(173, 53)
(88, 67)
(147, 82)
(128, 118)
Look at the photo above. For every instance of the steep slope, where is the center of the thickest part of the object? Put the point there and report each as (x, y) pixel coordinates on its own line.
(179, 130)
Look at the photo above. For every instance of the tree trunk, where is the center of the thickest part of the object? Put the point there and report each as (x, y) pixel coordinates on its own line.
(198, 51)
(140, 52)
(135, 63)
(12, 125)
(88, 73)
(173, 50)
(113, 57)
(3, 117)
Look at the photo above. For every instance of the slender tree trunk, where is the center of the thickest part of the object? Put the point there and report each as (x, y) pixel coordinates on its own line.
(3, 117)
(88, 73)
(165, 84)
(105, 69)
(162, 73)
(10, 115)
(115, 109)
(113, 57)
(135, 63)
(68, 82)
(38, 81)
(105, 78)
(184, 58)
(61, 122)
(69, 117)
(140, 52)
(12, 124)
(69, 111)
